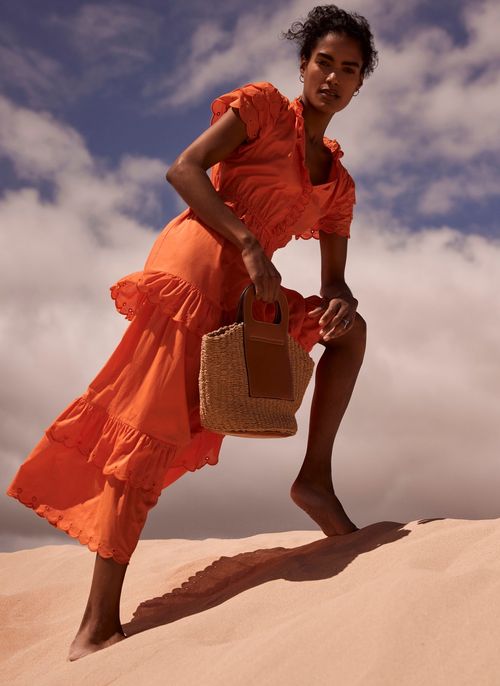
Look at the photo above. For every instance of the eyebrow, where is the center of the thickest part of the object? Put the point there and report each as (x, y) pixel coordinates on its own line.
(329, 57)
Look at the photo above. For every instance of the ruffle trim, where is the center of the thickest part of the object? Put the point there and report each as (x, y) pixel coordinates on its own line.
(339, 221)
(179, 299)
(117, 449)
(273, 236)
(185, 303)
(340, 218)
(121, 450)
(59, 522)
(326, 227)
(259, 105)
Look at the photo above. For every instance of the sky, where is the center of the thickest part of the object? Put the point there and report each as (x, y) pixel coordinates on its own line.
(98, 99)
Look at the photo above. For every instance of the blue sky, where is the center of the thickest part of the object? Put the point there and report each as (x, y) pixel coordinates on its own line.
(110, 70)
(97, 99)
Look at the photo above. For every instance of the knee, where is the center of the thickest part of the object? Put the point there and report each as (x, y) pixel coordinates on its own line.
(357, 334)
(359, 327)
(355, 337)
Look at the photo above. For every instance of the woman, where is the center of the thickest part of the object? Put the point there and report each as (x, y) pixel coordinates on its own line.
(104, 461)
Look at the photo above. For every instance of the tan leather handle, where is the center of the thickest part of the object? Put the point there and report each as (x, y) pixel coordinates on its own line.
(272, 332)
(265, 345)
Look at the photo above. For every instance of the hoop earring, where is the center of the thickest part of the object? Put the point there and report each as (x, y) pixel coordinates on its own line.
(301, 78)
(355, 93)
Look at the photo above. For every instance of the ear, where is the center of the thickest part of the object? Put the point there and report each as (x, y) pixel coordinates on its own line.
(303, 64)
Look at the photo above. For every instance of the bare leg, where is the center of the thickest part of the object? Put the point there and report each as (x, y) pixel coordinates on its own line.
(335, 377)
(101, 626)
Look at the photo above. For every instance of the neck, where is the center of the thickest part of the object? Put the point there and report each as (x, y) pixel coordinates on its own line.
(315, 122)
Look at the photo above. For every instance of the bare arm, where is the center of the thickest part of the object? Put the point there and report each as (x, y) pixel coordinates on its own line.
(340, 304)
(188, 176)
(333, 261)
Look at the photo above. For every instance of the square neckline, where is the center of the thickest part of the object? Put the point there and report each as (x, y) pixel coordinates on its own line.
(331, 144)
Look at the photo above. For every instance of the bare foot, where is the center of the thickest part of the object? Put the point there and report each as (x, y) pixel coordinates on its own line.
(86, 641)
(323, 506)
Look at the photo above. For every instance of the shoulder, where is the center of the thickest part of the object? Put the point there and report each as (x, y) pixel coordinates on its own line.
(265, 88)
(259, 93)
(345, 179)
(260, 104)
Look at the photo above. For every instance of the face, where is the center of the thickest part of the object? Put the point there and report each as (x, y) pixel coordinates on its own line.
(332, 73)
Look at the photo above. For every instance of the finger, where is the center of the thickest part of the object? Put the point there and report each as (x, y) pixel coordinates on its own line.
(269, 297)
(330, 311)
(327, 331)
(316, 312)
(277, 290)
(259, 289)
(339, 329)
(270, 292)
(273, 288)
(343, 329)
(276, 287)
(341, 315)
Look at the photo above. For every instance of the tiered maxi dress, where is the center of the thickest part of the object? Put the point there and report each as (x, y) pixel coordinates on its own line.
(104, 461)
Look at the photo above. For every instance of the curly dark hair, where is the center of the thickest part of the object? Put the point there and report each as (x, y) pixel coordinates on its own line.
(325, 19)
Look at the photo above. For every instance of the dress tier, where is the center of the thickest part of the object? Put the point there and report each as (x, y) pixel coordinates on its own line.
(102, 464)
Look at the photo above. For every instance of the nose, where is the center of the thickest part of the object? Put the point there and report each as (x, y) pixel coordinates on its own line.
(332, 77)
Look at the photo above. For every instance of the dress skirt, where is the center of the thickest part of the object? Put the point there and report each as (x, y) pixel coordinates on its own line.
(103, 462)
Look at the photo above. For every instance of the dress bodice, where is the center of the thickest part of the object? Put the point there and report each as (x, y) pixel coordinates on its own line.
(265, 181)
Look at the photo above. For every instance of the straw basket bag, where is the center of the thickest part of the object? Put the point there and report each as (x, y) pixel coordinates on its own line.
(253, 374)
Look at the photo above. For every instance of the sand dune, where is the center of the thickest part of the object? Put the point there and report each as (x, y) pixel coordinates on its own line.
(392, 604)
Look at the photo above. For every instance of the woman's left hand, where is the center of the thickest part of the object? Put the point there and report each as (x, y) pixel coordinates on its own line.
(337, 315)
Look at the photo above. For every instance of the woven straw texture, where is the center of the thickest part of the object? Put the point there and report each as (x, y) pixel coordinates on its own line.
(225, 404)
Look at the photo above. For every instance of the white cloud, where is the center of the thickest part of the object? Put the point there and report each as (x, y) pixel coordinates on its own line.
(116, 30)
(59, 256)
(110, 42)
(29, 70)
(431, 103)
(208, 36)
(482, 19)
(247, 49)
(420, 437)
(476, 183)
(39, 146)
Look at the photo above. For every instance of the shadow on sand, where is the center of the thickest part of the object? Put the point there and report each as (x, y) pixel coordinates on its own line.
(228, 576)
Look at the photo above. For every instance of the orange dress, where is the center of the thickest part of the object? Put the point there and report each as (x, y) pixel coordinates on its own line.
(104, 461)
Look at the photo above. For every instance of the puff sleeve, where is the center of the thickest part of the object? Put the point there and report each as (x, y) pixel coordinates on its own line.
(259, 105)
(338, 216)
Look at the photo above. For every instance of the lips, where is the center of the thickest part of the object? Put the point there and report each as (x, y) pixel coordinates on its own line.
(330, 94)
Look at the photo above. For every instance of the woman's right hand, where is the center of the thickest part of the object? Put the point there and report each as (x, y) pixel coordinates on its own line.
(266, 278)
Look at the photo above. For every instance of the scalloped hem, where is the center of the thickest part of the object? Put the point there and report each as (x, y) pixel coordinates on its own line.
(314, 233)
(118, 449)
(259, 104)
(84, 497)
(60, 523)
(179, 299)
